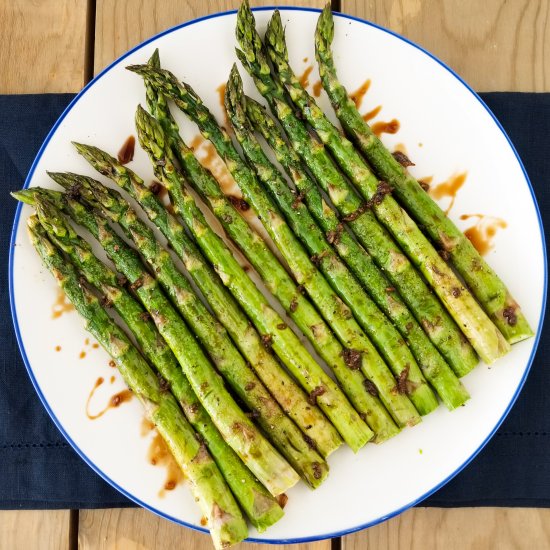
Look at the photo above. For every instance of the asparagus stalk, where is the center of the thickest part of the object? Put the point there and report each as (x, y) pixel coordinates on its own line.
(484, 336)
(430, 313)
(286, 391)
(280, 284)
(481, 279)
(260, 507)
(236, 428)
(227, 526)
(434, 367)
(375, 324)
(284, 434)
(151, 138)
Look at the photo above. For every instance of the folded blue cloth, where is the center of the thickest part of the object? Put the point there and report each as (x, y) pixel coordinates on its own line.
(40, 469)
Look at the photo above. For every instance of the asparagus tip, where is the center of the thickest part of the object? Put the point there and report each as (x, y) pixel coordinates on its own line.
(24, 195)
(324, 30)
(154, 60)
(139, 69)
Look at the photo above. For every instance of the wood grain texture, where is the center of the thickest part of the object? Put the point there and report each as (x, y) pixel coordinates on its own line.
(136, 529)
(457, 529)
(494, 45)
(42, 45)
(122, 24)
(26, 530)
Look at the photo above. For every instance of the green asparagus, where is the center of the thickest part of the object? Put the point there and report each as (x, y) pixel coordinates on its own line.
(278, 283)
(286, 391)
(429, 311)
(236, 428)
(375, 324)
(151, 138)
(226, 523)
(478, 275)
(484, 336)
(260, 507)
(283, 433)
(434, 367)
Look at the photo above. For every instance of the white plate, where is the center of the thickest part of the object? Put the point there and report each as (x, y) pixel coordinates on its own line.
(457, 132)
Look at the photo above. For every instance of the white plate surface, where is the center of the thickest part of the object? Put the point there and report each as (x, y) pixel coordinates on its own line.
(446, 130)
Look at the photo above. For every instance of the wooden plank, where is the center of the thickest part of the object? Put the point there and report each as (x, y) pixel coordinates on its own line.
(137, 529)
(494, 44)
(25, 529)
(43, 46)
(457, 529)
(121, 25)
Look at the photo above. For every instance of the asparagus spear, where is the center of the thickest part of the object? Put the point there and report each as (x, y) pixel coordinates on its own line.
(280, 284)
(260, 507)
(428, 310)
(478, 275)
(484, 336)
(284, 434)
(237, 430)
(290, 396)
(375, 324)
(274, 330)
(227, 526)
(150, 135)
(434, 367)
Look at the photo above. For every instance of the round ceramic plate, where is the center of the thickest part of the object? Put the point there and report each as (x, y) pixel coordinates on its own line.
(445, 129)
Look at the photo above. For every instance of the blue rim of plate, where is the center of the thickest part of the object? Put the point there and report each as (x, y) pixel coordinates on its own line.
(113, 483)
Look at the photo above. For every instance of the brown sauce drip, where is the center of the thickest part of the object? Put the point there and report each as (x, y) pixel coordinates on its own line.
(304, 79)
(391, 127)
(317, 87)
(57, 348)
(159, 191)
(87, 342)
(204, 521)
(305, 59)
(371, 114)
(282, 499)
(112, 380)
(95, 345)
(449, 188)
(82, 354)
(115, 401)
(207, 155)
(481, 234)
(160, 455)
(61, 305)
(126, 153)
(359, 94)
(146, 427)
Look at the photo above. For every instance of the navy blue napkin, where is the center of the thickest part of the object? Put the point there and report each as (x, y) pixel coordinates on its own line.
(40, 469)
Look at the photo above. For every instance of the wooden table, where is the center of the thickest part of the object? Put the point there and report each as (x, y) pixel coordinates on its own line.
(494, 45)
